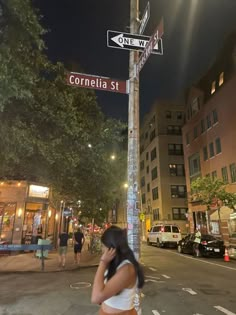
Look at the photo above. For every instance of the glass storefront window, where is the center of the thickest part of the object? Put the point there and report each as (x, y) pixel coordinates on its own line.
(7, 220)
(232, 224)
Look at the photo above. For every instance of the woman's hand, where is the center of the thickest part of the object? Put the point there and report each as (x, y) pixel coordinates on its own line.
(108, 255)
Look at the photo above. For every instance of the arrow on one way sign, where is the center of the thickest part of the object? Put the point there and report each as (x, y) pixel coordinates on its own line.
(131, 42)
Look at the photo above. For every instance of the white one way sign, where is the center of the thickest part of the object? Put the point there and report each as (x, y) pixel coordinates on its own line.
(129, 41)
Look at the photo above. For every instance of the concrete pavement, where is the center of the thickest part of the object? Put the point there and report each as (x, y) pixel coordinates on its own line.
(27, 262)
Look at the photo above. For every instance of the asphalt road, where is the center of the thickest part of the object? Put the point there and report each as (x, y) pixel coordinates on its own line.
(175, 285)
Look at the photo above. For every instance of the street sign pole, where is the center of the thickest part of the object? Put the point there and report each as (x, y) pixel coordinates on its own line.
(133, 229)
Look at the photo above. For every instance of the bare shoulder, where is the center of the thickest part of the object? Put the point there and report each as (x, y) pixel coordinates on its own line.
(127, 270)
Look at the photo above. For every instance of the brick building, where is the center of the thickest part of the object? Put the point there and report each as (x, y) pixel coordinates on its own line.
(209, 139)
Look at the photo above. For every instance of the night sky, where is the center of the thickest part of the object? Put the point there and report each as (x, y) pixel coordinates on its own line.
(194, 32)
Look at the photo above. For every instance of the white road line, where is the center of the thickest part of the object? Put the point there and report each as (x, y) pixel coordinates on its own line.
(189, 290)
(200, 260)
(153, 269)
(165, 276)
(157, 278)
(155, 312)
(224, 310)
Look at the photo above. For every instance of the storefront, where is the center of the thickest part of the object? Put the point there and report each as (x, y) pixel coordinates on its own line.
(25, 213)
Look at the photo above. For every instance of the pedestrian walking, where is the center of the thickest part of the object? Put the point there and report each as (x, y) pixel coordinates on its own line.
(79, 240)
(62, 248)
(118, 276)
(196, 242)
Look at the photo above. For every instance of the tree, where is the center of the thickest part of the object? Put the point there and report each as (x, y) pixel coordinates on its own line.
(50, 132)
(21, 48)
(208, 191)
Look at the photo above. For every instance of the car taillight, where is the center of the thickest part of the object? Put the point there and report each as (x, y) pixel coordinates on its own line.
(204, 242)
(162, 229)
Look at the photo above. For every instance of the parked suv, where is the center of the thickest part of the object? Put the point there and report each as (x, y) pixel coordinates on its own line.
(164, 235)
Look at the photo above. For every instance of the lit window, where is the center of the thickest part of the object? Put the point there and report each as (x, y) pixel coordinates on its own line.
(213, 87)
(221, 78)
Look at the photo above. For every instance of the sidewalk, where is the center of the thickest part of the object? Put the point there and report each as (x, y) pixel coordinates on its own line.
(27, 262)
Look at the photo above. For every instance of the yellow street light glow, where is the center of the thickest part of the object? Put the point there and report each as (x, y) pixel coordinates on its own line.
(113, 157)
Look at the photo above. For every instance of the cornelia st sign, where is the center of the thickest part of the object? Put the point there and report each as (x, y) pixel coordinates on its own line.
(90, 81)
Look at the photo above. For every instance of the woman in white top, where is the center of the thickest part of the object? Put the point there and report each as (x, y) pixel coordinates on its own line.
(118, 275)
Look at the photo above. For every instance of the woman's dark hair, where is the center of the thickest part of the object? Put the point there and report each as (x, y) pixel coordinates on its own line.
(116, 237)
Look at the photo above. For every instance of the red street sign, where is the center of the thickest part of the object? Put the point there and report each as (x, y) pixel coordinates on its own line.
(150, 46)
(90, 81)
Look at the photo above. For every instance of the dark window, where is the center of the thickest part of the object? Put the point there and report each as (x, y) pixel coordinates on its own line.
(141, 165)
(179, 115)
(208, 121)
(218, 146)
(168, 114)
(176, 169)
(232, 168)
(143, 198)
(153, 154)
(154, 173)
(143, 181)
(205, 154)
(148, 187)
(195, 132)
(147, 156)
(155, 193)
(175, 149)
(211, 149)
(194, 164)
(214, 175)
(178, 191)
(156, 228)
(175, 229)
(141, 149)
(167, 228)
(152, 135)
(147, 169)
(179, 214)
(187, 138)
(215, 116)
(156, 215)
(146, 135)
(174, 130)
(203, 128)
(224, 173)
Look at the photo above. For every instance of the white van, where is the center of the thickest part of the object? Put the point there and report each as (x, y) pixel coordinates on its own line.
(164, 235)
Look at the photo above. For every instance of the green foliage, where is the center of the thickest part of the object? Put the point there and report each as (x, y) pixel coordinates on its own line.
(20, 50)
(46, 126)
(207, 190)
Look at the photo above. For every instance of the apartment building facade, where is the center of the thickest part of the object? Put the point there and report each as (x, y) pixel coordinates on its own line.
(162, 175)
(209, 140)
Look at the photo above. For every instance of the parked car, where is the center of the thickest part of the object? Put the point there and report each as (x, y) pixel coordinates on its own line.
(209, 246)
(164, 235)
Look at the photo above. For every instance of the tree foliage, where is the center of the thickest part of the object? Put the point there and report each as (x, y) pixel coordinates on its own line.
(20, 50)
(51, 132)
(207, 191)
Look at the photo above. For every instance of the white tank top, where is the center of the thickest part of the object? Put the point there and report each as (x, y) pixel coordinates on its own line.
(125, 299)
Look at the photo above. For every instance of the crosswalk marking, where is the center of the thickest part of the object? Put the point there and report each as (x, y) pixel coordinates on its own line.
(189, 290)
(224, 310)
(155, 312)
(165, 276)
(153, 269)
